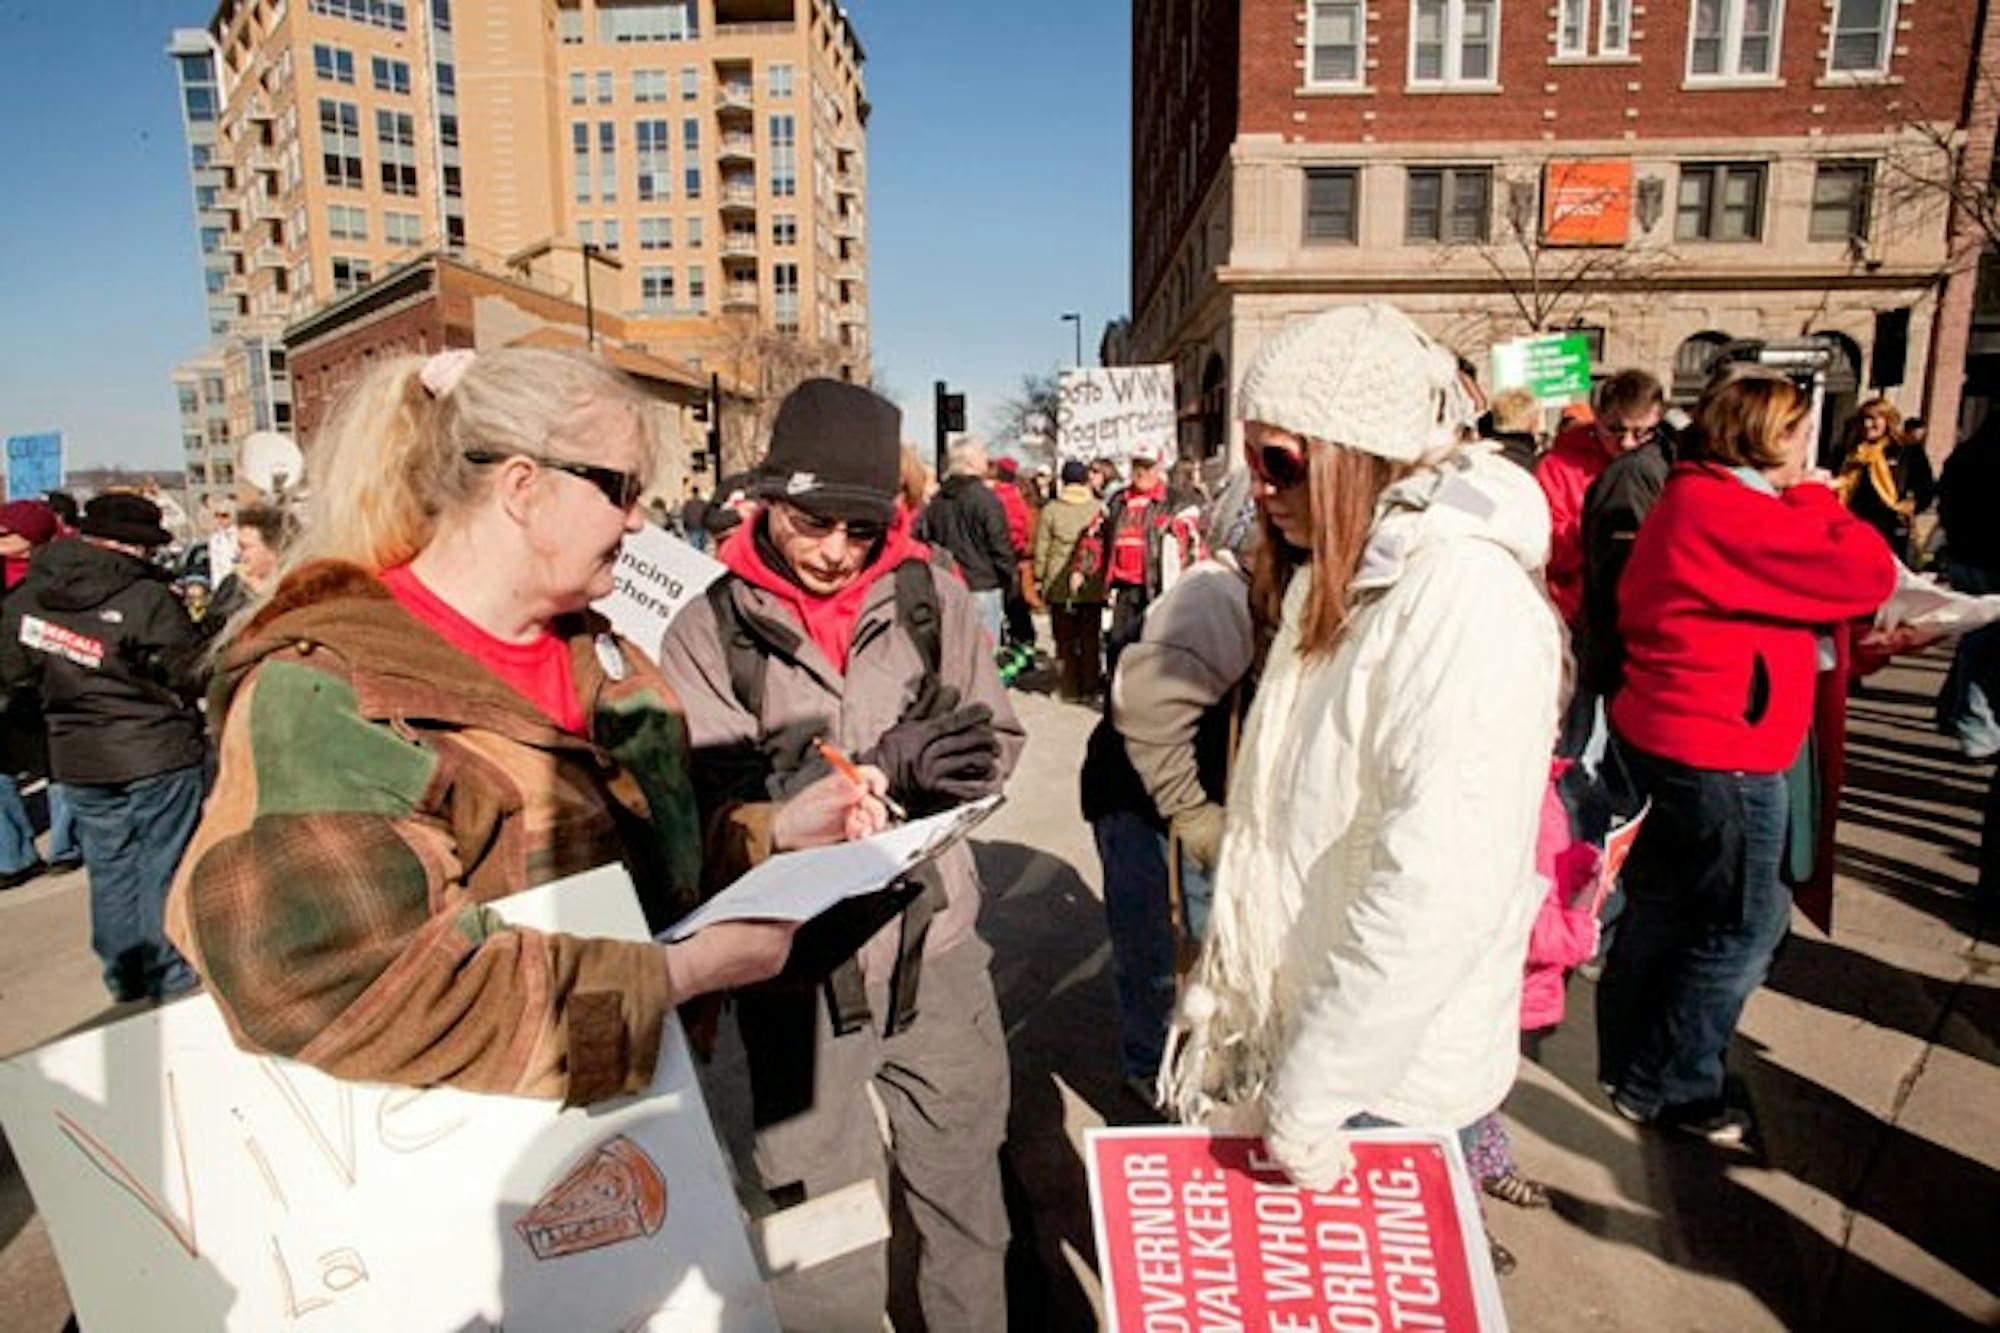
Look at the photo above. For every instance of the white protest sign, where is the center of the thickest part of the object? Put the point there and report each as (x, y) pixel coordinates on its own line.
(188, 1185)
(1110, 412)
(657, 575)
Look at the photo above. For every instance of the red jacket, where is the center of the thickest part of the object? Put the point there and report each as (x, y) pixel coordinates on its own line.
(1722, 605)
(1565, 472)
(1016, 508)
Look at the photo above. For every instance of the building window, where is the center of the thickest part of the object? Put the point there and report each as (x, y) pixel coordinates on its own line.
(1614, 27)
(691, 158)
(611, 238)
(1721, 201)
(785, 297)
(1733, 39)
(779, 79)
(1330, 205)
(649, 85)
(1841, 194)
(391, 76)
(346, 223)
(650, 154)
(586, 233)
(448, 131)
(656, 290)
(453, 187)
(656, 233)
(335, 64)
(645, 21)
(349, 275)
(1452, 42)
(694, 233)
(403, 229)
(784, 157)
(1861, 31)
(690, 83)
(1334, 31)
(447, 79)
(340, 142)
(579, 87)
(390, 14)
(1448, 204)
(579, 153)
(569, 25)
(785, 230)
(607, 160)
(697, 291)
(604, 91)
(396, 140)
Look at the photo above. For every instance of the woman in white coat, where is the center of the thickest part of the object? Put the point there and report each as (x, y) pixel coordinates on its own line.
(1376, 882)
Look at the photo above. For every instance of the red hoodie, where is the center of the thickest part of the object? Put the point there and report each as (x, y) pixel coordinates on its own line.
(1575, 460)
(829, 621)
(1721, 606)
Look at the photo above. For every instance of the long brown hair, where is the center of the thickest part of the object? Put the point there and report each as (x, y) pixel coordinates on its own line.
(1343, 487)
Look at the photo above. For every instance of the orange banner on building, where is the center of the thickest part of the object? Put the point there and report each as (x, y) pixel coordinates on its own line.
(1587, 203)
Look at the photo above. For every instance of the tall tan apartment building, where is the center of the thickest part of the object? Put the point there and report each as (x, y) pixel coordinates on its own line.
(707, 158)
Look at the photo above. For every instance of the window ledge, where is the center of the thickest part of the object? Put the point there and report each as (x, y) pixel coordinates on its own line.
(1713, 84)
(1855, 80)
(1453, 90)
(1595, 60)
(1336, 90)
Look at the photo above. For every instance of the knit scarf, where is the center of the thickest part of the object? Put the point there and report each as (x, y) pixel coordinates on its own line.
(1872, 459)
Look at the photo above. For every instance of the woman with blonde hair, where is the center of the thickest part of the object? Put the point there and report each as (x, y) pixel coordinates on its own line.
(424, 715)
(1376, 880)
(1732, 600)
(1882, 479)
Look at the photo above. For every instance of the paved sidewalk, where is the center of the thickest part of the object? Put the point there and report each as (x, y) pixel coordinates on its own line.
(1873, 1059)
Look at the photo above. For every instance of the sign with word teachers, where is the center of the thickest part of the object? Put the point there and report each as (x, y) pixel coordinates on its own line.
(190, 1186)
(1114, 412)
(1197, 1231)
(657, 575)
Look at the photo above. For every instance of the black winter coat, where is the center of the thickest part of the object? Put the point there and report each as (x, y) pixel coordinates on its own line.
(1613, 509)
(966, 519)
(116, 661)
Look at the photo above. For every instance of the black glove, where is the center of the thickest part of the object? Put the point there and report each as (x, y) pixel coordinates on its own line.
(936, 762)
(791, 762)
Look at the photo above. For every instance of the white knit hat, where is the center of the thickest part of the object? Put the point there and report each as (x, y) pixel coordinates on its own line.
(1363, 376)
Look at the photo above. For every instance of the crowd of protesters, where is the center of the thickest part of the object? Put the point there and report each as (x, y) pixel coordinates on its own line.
(1370, 713)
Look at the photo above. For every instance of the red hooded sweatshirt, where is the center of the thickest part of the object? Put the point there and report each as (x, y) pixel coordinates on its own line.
(1722, 605)
(828, 621)
(1575, 460)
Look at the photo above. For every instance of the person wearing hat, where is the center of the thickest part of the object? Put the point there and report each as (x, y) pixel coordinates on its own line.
(833, 622)
(26, 526)
(1376, 877)
(95, 632)
(1068, 572)
(1003, 478)
(1139, 523)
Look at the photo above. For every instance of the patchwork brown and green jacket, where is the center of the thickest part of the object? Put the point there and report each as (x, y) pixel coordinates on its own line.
(378, 788)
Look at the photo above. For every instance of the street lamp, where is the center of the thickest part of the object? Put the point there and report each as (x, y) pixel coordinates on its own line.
(1073, 317)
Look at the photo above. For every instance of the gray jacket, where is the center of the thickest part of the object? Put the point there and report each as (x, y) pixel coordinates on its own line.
(884, 670)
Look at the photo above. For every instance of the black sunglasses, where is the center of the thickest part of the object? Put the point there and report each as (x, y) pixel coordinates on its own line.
(1277, 466)
(862, 532)
(622, 489)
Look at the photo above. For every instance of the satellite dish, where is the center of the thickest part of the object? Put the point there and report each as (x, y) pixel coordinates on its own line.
(271, 462)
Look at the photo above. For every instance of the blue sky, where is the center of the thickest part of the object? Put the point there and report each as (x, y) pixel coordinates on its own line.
(998, 200)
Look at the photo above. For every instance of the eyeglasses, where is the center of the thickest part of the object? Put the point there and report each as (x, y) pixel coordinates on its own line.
(1276, 466)
(861, 532)
(622, 489)
(1640, 436)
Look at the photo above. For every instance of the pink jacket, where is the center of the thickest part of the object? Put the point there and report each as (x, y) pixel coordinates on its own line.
(1562, 936)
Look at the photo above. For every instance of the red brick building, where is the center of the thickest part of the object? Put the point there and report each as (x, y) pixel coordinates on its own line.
(1667, 175)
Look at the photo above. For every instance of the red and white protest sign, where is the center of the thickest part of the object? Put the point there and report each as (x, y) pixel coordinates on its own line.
(1198, 1233)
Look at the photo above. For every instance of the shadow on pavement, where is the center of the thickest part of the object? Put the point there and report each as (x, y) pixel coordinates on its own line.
(1962, 1017)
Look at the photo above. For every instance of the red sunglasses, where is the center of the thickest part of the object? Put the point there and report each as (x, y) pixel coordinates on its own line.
(1276, 466)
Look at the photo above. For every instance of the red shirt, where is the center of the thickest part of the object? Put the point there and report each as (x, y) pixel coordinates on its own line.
(1575, 460)
(1016, 509)
(1721, 607)
(538, 671)
(1128, 543)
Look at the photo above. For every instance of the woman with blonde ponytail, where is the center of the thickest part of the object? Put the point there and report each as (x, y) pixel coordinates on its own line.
(424, 715)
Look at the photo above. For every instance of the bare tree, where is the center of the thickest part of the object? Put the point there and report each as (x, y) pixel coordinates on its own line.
(766, 365)
(1026, 419)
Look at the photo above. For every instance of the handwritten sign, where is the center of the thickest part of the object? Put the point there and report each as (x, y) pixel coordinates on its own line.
(1112, 412)
(1198, 1231)
(189, 1185)
(657, 575)
(34, 465)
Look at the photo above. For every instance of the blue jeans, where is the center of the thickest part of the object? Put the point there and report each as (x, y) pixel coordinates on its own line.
(991, 607)
(62, 825)
(133, 834)
(1705, 912)
(17, 831)
(1140, 919)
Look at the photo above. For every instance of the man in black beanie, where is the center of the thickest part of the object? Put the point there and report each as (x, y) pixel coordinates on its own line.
(834, 622)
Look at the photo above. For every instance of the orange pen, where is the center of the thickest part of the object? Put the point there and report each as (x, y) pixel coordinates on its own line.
(845, 767)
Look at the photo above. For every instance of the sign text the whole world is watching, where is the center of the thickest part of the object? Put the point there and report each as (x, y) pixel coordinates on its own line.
(1198, 1233)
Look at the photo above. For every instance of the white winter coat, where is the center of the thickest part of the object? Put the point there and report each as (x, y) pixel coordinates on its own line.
(1376, 883)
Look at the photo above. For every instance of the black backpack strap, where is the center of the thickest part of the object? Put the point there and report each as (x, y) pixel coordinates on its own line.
(745, 656)
(917, 609)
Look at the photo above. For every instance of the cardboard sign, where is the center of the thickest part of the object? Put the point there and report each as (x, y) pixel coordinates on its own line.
(1201, 1232)
(657, 575)
(1112, 412)
(189, 1185)
(34, 465)
(1555, 367)
(1587, 202)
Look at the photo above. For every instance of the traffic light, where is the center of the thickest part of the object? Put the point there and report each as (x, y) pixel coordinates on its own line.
(948, 415)
(954, 413)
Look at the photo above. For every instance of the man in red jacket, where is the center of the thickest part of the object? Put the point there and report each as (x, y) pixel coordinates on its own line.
(1629, 406)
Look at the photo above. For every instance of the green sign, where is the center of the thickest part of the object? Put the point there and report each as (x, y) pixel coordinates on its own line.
(1554, 367)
